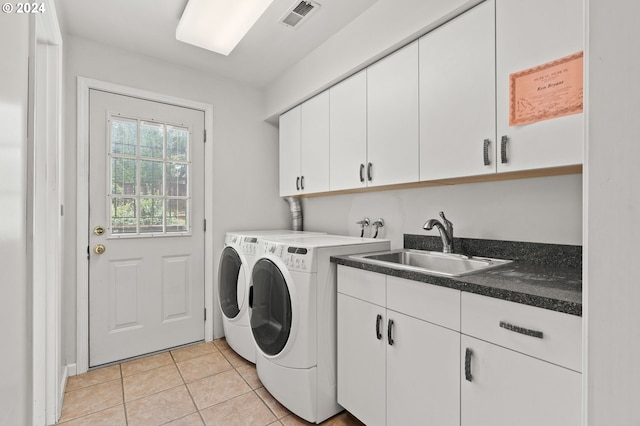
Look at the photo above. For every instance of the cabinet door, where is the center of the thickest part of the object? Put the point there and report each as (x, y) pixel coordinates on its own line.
(509, 388)
(290, 152)
(361, 359)
(392, 118)
(530, 33)
(314, 146)
(457, 95)
(348, 133)
(423, 382)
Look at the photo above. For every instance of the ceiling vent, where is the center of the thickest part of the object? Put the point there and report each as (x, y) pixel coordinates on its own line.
(298, 13)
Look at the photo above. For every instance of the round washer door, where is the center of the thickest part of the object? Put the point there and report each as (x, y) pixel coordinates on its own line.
(231, 282)
(271, 315)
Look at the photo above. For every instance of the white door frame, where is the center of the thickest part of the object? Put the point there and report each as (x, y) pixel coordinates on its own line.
(82, 229)
(46, 195)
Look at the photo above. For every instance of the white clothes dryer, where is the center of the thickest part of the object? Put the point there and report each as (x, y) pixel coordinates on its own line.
(234, 274)
(293, 298)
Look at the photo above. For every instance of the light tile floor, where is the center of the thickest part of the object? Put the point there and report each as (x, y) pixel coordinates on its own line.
(202, 384)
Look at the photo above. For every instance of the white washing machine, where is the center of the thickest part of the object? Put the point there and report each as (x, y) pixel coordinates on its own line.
(234, 274)
(293, 319)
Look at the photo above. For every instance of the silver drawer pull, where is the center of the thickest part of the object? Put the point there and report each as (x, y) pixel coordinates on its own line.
(521, 330)
(485, 151)
(503, 149)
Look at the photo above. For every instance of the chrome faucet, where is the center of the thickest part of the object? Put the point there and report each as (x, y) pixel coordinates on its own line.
(446, 232)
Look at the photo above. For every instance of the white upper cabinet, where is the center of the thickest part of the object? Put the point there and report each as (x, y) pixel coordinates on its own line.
(304, 148)
(392, 118)
(457, 96)
(290, 152)
(348, 133)
(439, 108)
(528, 34)
(315, 145)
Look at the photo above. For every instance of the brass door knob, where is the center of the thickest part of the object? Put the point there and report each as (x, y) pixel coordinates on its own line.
(99, 249)
(98, 230)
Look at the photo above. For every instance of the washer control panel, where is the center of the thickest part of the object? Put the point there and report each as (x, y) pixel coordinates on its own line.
(249, 245)
(298, 259)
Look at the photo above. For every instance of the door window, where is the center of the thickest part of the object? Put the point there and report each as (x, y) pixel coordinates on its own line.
(149, 178)
(230, 264)
(271, 314)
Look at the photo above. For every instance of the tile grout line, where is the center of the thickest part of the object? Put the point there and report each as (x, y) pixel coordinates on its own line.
(124, 406)
(252, 389)
(188, 390)
(85, 415)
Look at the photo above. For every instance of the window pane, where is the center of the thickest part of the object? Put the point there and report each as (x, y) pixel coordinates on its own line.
(177, 142)
(123, 176)
(150, 177)
(150, 215)
(123, 216)
(124, 136)
(151, 139)
(177, 180)
(177, 216)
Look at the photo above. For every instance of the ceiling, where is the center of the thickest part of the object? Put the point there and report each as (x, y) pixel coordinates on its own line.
(148, 27)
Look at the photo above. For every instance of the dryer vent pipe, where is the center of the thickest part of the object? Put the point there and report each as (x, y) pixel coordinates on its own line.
(295, 207)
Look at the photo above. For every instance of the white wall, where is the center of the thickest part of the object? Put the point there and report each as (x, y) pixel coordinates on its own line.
(15, 287)
(612, 214)
(382, 28)
(245, 150)
(545, 210)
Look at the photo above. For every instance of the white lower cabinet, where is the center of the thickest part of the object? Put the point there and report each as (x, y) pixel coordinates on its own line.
(520, 364)
(394, 368)
(411, 353)
(423, 386)
(361, 360)
(501, 387)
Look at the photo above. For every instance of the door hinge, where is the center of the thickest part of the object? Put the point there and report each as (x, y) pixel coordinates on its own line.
(205, 314)
(205, 225)
(205, 135)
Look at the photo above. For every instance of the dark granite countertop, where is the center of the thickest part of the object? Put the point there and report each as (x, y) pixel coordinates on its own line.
(542, 275)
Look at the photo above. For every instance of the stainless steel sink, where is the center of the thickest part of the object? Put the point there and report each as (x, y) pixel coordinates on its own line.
(432, 262)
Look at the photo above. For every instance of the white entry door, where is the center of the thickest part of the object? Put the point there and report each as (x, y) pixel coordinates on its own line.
(146, 204)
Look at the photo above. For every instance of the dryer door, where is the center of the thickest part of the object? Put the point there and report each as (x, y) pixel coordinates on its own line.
(231, 282)
(271, 308)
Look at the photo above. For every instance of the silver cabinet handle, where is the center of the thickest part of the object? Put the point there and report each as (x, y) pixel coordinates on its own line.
(298, 183)
(378, 331)
(521, 330)
(390, 332)
(302, 182)
(369, 167)
(503, 149)
(485, 151)
(467, 365)
(361, 172)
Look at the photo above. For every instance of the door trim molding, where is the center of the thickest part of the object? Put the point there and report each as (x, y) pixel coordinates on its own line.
(45, 195)
(82, 191)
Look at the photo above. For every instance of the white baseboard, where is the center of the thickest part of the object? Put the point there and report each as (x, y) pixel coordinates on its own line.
(62, 386)
(71, 369)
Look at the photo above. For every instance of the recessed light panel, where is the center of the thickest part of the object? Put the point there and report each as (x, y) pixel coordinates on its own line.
(219, 25)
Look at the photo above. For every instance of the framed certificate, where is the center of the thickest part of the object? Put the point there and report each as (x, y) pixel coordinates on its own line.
(547, 91)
